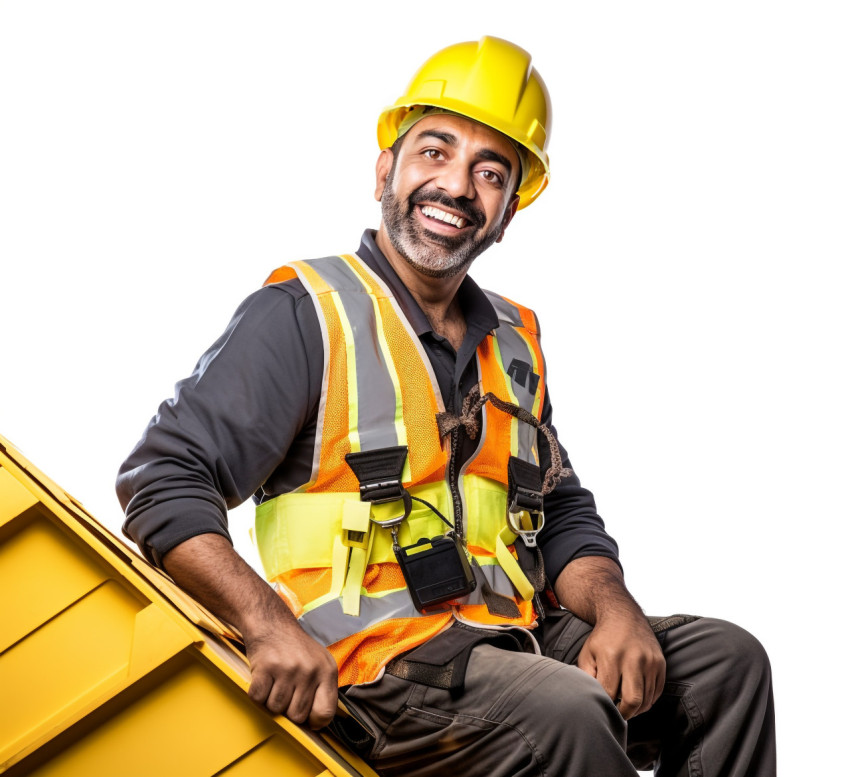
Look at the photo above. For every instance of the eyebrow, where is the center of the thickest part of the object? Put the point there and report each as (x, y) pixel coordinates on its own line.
(451, 140)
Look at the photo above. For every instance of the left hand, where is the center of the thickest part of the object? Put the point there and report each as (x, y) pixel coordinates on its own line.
(623, 654)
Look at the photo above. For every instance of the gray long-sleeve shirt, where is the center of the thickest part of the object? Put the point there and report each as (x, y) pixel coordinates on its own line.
(244, 423)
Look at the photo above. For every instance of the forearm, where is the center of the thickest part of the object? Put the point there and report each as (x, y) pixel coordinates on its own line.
(594, 589)
(208, 568)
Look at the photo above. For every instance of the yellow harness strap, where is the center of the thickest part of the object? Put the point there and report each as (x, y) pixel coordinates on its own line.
(357, 541)
(511, 566)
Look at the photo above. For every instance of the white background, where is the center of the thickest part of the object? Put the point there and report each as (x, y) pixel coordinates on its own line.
(158, 159)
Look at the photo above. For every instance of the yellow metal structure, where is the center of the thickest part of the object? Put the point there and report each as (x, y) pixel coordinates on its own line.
(108, 669)
(491, 81)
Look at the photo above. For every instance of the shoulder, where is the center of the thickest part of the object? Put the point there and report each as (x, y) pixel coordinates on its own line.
(512, 313)
(277, 316)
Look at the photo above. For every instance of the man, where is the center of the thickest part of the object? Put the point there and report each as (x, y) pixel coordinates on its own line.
(393, 423)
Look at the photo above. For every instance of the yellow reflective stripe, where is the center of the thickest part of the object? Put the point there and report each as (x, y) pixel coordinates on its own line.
(298, 527)
(485, 497)
(351, 371)
(294, 530)
(511, 398)
(401, 429)
(487, 500)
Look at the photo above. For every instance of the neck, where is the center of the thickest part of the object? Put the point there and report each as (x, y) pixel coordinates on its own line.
(436, 296)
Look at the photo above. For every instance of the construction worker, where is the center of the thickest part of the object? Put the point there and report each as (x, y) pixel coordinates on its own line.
(432, 553)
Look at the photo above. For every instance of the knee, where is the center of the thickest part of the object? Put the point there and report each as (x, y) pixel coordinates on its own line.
(742, 654)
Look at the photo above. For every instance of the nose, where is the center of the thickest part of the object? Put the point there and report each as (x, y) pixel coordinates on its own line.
(455, 179)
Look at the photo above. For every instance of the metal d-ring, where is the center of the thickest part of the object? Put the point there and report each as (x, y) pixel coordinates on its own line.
(394, 522)
(528, 536)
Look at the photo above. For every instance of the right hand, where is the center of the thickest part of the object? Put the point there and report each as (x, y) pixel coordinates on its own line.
(292, 674)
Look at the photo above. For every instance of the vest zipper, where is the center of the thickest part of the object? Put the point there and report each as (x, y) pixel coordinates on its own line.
(454, 486)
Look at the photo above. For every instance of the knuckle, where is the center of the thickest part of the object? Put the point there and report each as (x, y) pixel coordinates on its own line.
(297, 715)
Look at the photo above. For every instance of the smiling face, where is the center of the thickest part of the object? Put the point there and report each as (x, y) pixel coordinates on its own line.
(447, 193)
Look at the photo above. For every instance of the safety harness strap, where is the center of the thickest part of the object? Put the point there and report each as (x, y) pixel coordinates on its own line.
(357, 535)
(379, 473)
(441, 662)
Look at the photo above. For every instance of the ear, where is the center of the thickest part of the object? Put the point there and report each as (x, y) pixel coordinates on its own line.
(510, 212)
(382, 171)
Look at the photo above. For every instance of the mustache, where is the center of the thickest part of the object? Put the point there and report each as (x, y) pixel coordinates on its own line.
(437, 197)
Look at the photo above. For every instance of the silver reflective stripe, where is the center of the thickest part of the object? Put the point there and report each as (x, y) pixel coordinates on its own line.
(320, 422)
(497, 579)
(512, 346)
(376, 398)
(327, 623)
(504, 309)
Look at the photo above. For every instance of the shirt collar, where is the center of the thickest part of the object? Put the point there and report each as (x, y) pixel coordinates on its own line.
(478, 311)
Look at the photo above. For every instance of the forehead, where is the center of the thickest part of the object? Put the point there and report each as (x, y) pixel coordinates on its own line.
(466, 132)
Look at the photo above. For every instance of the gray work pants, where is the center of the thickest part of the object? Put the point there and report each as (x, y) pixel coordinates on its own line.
(524, 714)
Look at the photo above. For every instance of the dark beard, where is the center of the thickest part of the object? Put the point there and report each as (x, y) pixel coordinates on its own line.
(451, 255)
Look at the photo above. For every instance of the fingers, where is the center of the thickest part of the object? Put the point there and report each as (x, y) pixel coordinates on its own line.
(641, 686)
(632, 696)
(295, 680)
(313, 700)
(324, 706)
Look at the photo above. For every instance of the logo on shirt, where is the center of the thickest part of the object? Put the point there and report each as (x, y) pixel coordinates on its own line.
(521, 372)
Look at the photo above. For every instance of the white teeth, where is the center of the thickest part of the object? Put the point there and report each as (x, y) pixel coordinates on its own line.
(441, 215)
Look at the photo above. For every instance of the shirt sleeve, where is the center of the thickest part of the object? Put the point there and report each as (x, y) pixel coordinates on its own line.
(228, 426)
(573, 528)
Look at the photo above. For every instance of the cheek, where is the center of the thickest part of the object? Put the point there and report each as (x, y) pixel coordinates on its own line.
(497, 209)
(410, 175)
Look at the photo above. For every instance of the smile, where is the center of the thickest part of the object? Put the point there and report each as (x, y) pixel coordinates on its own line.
(440, 215)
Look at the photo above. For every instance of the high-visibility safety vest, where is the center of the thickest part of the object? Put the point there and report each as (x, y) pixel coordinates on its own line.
(321, 545)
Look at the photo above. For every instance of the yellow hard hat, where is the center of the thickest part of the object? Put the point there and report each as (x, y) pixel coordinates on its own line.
(492, 82)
